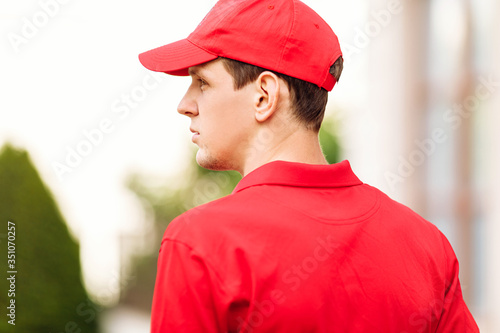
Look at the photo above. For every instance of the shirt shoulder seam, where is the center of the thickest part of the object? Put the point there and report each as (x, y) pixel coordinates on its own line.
(197, 253)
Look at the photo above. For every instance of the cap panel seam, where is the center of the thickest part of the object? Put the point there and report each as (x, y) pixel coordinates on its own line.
(201, 47)
(221, 17)
(286, 46)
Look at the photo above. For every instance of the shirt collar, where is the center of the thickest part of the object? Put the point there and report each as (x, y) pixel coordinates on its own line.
(300, 175)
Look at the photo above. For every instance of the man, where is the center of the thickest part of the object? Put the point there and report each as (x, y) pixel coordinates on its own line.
(300, 245)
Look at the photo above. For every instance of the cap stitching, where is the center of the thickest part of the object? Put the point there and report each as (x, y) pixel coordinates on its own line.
(201, 47)
(228, 12)
(285, 47)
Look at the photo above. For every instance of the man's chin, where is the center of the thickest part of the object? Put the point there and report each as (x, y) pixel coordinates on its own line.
(209, 162)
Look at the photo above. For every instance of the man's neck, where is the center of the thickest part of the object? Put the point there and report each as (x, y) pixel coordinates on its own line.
(300, 146)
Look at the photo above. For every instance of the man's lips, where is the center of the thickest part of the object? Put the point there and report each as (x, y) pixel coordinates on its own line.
(195, 135)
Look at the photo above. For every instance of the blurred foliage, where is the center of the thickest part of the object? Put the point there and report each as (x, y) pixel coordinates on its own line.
(329, 142)
(49, 294)
(198, 186)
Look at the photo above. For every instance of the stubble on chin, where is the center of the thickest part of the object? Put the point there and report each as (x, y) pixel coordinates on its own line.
(211, 162)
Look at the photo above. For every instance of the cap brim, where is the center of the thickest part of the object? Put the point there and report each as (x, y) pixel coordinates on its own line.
(175, 58)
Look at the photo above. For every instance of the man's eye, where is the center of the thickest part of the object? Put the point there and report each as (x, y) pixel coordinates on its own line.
(202, 82)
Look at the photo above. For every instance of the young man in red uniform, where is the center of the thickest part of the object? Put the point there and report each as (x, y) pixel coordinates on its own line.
(300, 245)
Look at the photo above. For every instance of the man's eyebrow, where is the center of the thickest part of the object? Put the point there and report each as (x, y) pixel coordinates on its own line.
(199, 70)
(193, 71)
(196, 70)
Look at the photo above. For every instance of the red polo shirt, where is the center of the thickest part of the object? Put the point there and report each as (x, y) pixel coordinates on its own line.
(306, 248)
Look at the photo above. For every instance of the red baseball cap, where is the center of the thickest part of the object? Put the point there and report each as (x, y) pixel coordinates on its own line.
(284, 36)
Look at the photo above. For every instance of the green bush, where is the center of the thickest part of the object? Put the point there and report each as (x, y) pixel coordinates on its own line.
(49, 294)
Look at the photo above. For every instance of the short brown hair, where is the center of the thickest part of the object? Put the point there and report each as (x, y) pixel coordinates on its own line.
(307, 99)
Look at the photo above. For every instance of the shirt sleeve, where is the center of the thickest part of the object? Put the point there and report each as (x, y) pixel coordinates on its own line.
(455, 315)
(183, 298)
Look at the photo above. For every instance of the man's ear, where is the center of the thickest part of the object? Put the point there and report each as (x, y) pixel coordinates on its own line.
(267, 95)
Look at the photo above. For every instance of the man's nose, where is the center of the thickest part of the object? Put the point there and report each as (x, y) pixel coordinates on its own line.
(187, 105)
